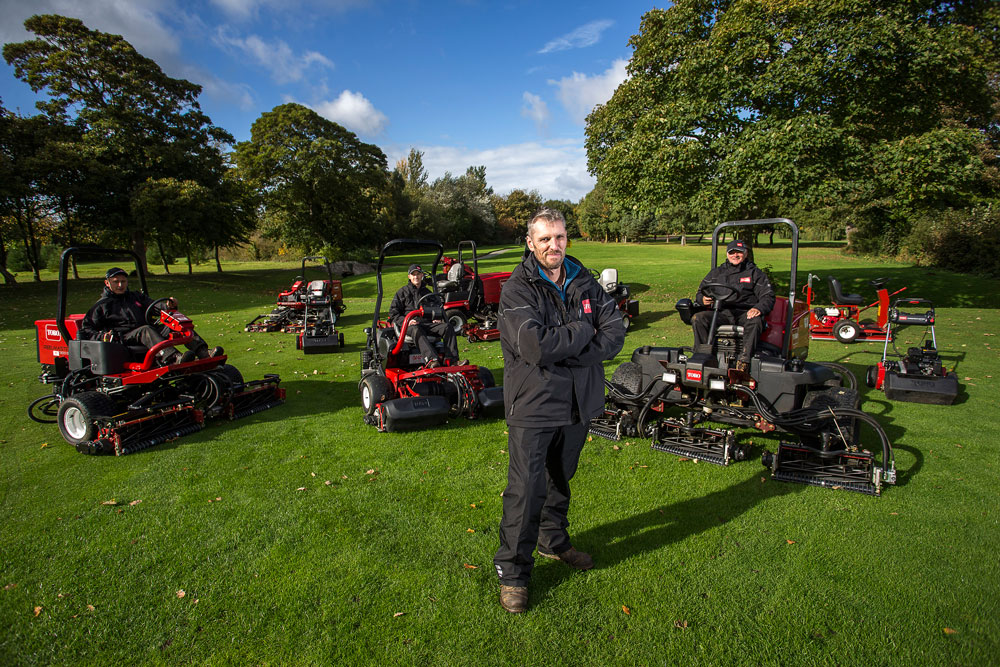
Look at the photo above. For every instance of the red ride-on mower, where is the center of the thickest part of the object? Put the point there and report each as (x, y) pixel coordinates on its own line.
(669, 393)
(842, 321)
(290, 315)
(471, 299)
(108, 397)
(918, 376)
(398, 392)
(608, 280)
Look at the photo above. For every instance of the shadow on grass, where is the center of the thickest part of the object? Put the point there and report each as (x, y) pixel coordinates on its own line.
(650, 319)
(661, 526)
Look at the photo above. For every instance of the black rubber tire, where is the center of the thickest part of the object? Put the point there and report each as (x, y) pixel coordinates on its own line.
(77, 413)
(232, 373)
(374, 390)
(628, 377)
(456, 319)
(486, 377)
(846, 331)
(871, 376)
(626, 322)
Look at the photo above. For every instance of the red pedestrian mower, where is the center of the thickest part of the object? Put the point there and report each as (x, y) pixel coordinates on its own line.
(919, 376)
(309, 309)
(471, 299)
(842, 321)
(399, 391)
(108, 397)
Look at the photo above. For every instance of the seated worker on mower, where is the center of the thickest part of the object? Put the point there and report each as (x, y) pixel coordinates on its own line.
(120, 316)
(748, 307)
(405, 301)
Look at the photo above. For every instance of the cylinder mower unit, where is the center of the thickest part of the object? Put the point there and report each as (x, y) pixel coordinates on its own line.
(919, 376)
(399, 391)
(308, 309)
(683, 400)
(108, 397)
(471, 299)
(842, 321)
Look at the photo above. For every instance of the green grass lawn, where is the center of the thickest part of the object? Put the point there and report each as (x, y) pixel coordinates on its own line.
(301, 536)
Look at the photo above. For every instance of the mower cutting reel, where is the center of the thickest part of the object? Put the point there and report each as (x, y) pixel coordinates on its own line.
(682, 399)
(399, 392)
(108, 397)
(919, 376)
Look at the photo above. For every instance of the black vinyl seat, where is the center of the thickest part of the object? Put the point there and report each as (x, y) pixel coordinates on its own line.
(838, 296)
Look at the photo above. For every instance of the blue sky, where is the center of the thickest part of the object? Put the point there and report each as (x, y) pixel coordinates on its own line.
(468, 82)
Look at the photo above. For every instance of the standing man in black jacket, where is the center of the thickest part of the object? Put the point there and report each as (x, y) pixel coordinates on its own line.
(404, 301)
(120, 315)
(557, 326)
(748, 307)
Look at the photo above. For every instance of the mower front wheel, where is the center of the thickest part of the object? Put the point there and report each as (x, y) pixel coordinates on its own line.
(626, 322)
(77, 414)
(456, 320)
(846, 331)
(374, 390)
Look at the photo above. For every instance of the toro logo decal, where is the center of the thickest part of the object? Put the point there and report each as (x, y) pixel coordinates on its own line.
(694, 376)
(52, 332)
(586, 305)
(745, 279)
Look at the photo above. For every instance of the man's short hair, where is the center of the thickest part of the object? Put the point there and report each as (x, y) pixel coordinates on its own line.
(548, 215)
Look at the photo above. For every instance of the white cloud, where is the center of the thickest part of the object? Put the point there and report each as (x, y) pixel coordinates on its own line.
(248, 9)
(353, 111)
(557, 168)
(586, 35)
(536, 109)
(275, 56)
(579, 93)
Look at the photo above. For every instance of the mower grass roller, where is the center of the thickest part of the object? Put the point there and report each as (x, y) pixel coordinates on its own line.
(399, 391)
(670, 394)
(842, 321)
(108, 397)
(919, 376)
(308, 309)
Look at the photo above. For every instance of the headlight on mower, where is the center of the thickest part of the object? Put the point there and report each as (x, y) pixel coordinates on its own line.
(716, 384)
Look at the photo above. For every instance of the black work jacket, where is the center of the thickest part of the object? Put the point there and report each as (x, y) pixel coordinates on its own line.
(114, 312)
(553, 351)
(753, 289)
(404, 301)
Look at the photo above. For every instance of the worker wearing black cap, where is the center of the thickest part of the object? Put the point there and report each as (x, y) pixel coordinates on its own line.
(405, 301)
(748, 307)
(119, 315)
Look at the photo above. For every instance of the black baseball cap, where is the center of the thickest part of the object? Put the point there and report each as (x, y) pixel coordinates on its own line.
(414, 268)
(115, 271)
(736, 244)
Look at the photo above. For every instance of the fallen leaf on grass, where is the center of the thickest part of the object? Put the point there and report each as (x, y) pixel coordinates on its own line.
(38, 610)
(328, 482)
(947, 631)
(181, 593)
(790, 541)
(628, 612)
(91, 607)
(681, 624)
(469, 530)
(110, 502)
(370, 471)
(9, 586)
(134, 503)
(398, 614)
(301, 488)
(44, 445)
(683, 458)
(343, 477)
(470, 567)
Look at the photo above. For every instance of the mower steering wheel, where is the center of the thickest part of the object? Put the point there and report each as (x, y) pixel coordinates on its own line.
(720, 291)
(433, 298)
(150, 319)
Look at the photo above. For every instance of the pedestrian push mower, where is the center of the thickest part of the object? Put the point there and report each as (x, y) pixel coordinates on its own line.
(683, 400)
(399, 391)
(842, 321)
(108, 397)
(919, 376)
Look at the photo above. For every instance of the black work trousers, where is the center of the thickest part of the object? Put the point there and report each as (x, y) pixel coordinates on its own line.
(443, 330)
(702, 323)
(536, 500)
(149, 335)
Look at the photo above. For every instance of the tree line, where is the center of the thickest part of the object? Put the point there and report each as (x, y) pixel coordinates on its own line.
(877, 118)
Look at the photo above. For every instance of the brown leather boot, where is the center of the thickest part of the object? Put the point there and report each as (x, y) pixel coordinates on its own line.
(577, 560)
(514, 598)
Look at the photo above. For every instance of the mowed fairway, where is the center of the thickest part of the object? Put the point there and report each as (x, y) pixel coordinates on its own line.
(302, 536)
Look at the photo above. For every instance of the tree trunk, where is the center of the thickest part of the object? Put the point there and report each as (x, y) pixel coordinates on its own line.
(139, 247)
(190, 270)
(218, 264)
(8, 277)
(684, 238)
(163, 255)
(771, 242)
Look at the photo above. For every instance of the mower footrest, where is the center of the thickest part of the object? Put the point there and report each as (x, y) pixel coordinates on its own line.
(491, 401)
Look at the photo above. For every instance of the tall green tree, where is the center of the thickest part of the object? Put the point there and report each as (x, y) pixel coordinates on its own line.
(135, 120)
(515, 210)
(320, 184)
(738, 108)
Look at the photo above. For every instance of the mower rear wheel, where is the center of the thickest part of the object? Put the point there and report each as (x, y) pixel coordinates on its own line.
(846, 331)
(77, 413)
(374, 390)
(871, 376)
(456, 320)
